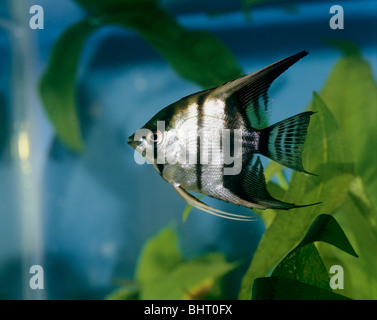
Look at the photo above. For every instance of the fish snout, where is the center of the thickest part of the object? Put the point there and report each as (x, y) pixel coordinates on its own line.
(131, 141)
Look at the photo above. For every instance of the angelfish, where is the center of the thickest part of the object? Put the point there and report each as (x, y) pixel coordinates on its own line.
(210, 142)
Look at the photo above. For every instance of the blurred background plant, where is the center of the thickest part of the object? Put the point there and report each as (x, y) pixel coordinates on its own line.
(92, 107)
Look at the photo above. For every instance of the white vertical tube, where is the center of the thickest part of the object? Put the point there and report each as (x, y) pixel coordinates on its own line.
(26, 134)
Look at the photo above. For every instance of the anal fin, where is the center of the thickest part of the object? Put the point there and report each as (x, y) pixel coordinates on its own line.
(252, 187)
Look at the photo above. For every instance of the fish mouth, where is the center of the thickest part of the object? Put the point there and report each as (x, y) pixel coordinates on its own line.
(132, 142)
(136, 145)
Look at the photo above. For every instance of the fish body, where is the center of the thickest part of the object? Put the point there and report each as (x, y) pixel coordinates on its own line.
(210, 142)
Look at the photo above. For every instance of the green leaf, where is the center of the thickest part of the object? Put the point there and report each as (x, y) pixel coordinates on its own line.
(351, 94)
(57, 86)
(304, 263)
(159, 256)
(124, 293)
(305, 266)
(195, 55)
(162, 273)
(325, 154)
(346, 47)
(280, 288)
(356, 218)
(268, 216)
(326, 229)
(184, 280)
(276, 169)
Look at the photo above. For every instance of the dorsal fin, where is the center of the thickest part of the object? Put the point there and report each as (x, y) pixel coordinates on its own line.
(251, 91)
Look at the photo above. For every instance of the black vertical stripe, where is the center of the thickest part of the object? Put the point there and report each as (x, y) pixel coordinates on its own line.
(230, 121)
(155, 152)
(198, 165)
(235, 119)
(160, 167)
(201, 100)
(200, 124)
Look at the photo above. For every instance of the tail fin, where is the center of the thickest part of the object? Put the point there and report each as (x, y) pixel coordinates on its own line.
(284, 141)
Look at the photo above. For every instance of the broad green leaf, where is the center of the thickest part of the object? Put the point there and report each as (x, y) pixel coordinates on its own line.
(160, 255)
(57, 87)
(184, 280)
(280, 288)
(326, 155)
(356, 218)
(195, 55)
(201, 291)
(351, 94)
(124, 293)
(162, 273)
(326, 229)
(276, 169)
(268, 216)
(303, 263)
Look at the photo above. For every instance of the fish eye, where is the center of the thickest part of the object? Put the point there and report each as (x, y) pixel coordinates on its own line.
(154, 137)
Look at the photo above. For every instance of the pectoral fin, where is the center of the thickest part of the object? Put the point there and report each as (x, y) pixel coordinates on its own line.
(192, 201)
